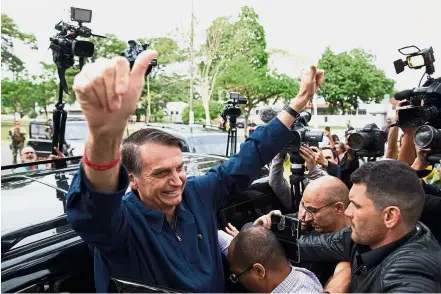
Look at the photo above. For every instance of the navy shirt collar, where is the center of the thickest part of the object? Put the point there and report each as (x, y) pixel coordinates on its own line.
(156, 218)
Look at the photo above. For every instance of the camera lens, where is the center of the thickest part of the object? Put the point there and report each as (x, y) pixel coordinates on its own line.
(358, 141)
(427, 137)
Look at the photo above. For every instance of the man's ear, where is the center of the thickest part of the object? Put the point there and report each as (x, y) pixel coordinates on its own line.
(339, 208)
(133, 182)
(259, 270)
(391, 216)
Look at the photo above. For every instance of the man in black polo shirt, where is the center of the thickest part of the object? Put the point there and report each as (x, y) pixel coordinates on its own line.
(389, 250)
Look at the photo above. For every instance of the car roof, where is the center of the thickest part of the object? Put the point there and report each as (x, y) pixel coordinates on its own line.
(182, 130)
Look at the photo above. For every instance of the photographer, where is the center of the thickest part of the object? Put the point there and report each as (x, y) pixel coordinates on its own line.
(432, 203)
(280, 185)
(164, 231)
(389, 250)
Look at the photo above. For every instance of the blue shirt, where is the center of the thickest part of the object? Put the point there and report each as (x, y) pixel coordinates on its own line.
(133, 241)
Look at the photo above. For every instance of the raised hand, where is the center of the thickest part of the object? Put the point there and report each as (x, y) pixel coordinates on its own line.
(108, 92)
(311, 80)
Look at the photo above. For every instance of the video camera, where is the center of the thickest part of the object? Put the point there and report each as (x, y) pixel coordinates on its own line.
(65, 45)
(303, 135)
(232, 108)
(368, 142)
(425, 102)
(424, 111)
(132, 52)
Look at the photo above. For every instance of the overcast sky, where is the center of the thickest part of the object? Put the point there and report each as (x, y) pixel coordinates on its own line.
(303, 28)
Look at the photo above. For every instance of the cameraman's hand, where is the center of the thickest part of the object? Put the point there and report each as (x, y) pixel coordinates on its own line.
(308, 156)
(311, 80)
(319, 157)
(421, 162)
(265, 220)
(108, 92)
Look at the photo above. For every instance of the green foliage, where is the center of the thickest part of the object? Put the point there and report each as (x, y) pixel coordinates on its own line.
(351, 77)
(32, 114)
(10, 34)
(199, 112)
(248, 72)
(107, 47)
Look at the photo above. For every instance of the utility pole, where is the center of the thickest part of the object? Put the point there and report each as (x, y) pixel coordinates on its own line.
(192, 67)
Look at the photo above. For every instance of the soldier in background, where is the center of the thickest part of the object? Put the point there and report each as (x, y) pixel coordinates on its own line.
(18, 137)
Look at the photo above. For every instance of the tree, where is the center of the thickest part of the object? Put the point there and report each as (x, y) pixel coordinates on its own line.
(351, 77)
(156, 91)
(223, 41)
(51, 74)
(259, 85)
(248, 71)
(11, 34)
(16, 95)
(199, 111)
(107, 47)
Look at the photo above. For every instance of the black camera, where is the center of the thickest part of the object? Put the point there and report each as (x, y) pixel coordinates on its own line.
(369, 142)
(132, 52)
(425, 102)
(232, 108)
(303, 135)
(287, 231)
(65, 45)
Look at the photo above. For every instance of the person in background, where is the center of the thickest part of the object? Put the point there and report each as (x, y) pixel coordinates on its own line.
(28, 155)
(349, 129)
(18, 137)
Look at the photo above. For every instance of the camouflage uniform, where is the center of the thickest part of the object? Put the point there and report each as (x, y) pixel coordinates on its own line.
(18, 139)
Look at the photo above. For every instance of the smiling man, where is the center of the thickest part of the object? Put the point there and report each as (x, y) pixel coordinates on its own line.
(164, 231)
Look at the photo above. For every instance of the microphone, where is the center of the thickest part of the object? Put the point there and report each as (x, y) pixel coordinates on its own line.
(403, 95)
(268, 113)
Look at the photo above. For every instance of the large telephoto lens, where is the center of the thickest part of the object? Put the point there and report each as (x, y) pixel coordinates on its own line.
(358, 141)
(427, 137)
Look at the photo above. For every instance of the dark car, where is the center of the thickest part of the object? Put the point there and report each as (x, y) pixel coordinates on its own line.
(198, 138)
(41, 253)
(40, 137)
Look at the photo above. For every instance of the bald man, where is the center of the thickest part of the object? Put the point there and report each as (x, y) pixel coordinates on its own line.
(323, 205)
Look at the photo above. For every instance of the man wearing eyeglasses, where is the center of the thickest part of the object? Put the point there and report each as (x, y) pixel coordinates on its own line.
(257, 260)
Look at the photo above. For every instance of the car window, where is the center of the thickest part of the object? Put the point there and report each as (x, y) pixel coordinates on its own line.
(76, 131)
(210, 143)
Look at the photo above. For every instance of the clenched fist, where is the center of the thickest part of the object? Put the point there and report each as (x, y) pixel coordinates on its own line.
(108, 92)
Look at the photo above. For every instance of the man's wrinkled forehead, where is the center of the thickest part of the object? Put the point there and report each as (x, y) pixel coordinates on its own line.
(154, 156)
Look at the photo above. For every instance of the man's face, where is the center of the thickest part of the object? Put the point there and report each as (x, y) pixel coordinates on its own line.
(366, 222)
(388, 122)
(348, 123)
(17, 124)
(162, 179)
(327, 153)
(28, 154)
(322, 215)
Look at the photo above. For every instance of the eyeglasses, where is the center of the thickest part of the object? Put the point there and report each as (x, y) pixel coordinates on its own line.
(312, 210)
(235, 278)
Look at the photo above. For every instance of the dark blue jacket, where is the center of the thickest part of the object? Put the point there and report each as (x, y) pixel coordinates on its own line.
(133, 241)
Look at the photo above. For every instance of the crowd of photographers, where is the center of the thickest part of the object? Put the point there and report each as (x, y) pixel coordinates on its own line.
(329, 215)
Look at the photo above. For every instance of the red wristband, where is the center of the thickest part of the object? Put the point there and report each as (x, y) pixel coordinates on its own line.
(101, 166)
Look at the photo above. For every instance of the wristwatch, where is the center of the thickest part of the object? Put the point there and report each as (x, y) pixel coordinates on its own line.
(291, 111)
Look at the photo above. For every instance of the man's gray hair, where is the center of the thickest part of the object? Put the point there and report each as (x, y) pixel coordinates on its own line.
(131, 157)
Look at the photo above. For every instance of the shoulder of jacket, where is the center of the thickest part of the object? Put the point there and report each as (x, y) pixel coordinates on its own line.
(410, 259)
